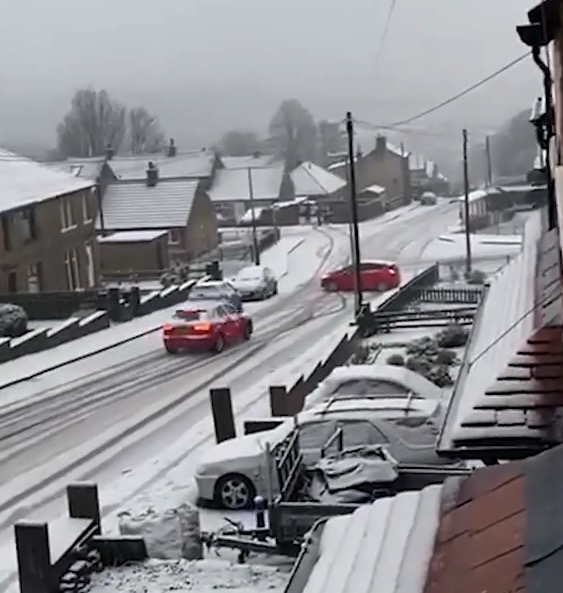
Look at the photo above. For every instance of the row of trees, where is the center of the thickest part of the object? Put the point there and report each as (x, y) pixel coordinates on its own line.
(96, 120)
(294, 136)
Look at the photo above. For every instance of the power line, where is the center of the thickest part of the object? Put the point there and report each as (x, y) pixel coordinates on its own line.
(458, 95)
(385, 33)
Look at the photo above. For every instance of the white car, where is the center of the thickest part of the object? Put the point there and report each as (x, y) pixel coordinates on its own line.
(255, 283)
(374, 381)
(233, 472)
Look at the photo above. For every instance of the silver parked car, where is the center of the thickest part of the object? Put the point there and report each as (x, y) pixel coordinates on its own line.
(234, 471)
(255, 283)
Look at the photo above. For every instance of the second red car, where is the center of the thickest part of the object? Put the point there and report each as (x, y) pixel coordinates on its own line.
(374, 276)
(206, 326)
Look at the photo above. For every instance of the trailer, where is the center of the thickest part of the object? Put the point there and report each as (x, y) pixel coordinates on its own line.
(282, 527)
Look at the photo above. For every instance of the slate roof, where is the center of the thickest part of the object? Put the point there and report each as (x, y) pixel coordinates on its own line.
(184, 165)
(233, 184)
(499, 530)
(311, 180)
(243, 162)
(135, 206)
(24, 182)
(511, 383)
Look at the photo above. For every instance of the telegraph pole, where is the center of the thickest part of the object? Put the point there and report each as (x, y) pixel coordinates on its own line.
(466, 207)
(254, 234)
(354, 204)
(489, 161)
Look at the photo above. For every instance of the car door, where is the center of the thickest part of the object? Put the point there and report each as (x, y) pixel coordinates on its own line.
(345, 278)
(313, 436)
(371, 274)
(269, 280)
(236, 322)
(225, 323)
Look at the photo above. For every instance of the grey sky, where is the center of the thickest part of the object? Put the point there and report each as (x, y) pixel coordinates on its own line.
(205, 65)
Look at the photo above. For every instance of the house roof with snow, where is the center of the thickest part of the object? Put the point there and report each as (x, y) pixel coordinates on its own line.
(497, 529)
(185, 165)
(132, 237)
(232, 185)
(84, 168)
(374, 189)
(311, 180)
(417, 162)
(243, 162)
(132, 205)
(24, 182)
(509, 388)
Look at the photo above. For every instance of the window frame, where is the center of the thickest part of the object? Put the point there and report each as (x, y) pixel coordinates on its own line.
(86, 214)
(66, 215)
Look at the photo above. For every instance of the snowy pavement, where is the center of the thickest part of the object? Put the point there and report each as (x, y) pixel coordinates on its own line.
(156, 427)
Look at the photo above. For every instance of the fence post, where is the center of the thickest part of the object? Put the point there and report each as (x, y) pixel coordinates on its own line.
(34, 558)
(83, 503)
(222, 411)
(278, 400)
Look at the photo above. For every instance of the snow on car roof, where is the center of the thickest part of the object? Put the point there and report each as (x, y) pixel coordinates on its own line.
(407, 379)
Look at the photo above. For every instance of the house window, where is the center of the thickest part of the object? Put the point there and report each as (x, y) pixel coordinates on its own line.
(25, 219)
(72, 270)
(67, 215)
(6, 239)
(34, 277)
(174, 237)
(12, 282)
(90, 266)
(86, 216)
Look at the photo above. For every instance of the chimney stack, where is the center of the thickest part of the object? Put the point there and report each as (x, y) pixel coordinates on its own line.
(110, 152)
(152, 174)
(171, 151)
(381, 144)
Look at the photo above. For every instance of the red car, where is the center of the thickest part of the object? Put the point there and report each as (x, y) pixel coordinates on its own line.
(205, 326)
(374, 276)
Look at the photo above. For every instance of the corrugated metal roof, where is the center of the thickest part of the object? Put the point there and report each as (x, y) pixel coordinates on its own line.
(132, 237)
(384, 547)
(233, 184)
(510, 389)
(311, 180)
(182, 166)
(24, 182)
(134, 205)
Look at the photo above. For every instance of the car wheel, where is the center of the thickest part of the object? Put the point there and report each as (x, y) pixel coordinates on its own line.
(171, 349)
(382, 287)
(234, 492)
(248, 330)
(275, 291)
(219, 345)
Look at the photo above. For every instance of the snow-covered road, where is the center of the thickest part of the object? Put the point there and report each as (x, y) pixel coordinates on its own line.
(99, 417)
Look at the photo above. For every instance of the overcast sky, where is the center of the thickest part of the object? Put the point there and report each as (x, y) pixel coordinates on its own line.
(207, 65)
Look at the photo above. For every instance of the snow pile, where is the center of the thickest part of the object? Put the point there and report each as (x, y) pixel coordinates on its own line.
(203, 576)
(170, 534)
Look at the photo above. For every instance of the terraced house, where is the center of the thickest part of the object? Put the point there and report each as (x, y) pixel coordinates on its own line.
(47, 235)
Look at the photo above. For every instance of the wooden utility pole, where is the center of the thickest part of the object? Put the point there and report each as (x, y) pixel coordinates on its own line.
(466, 206)
(354, 210)
(489, 161)
(253, 214)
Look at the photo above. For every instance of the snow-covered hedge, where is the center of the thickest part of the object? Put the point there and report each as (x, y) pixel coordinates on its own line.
(13, 321)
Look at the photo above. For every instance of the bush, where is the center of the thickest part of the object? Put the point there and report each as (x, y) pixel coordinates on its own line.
(446, 357)
(477, 277)
(13, 321)
(440, 376)
(423, 347)
(419, 364)
(453, 336)
(397, 360)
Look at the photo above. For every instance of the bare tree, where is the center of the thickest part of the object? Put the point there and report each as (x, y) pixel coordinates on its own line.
(145, 133)
(240, 143)
(294, 133)
(94, 122)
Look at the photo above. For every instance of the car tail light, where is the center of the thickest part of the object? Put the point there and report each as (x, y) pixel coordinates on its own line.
(202, 328)
(392, 270)
(167, 328)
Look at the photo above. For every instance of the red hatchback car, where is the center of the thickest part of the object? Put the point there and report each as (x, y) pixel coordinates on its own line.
(205, 326)
(374, 276)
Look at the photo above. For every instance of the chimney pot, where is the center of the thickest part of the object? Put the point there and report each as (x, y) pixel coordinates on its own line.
(171, 151)
(381, 144)
(152, 174)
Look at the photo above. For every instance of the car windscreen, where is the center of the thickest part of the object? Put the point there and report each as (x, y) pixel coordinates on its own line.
(415, 433)
(206, 292)
(369, 387)
(246, 275)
